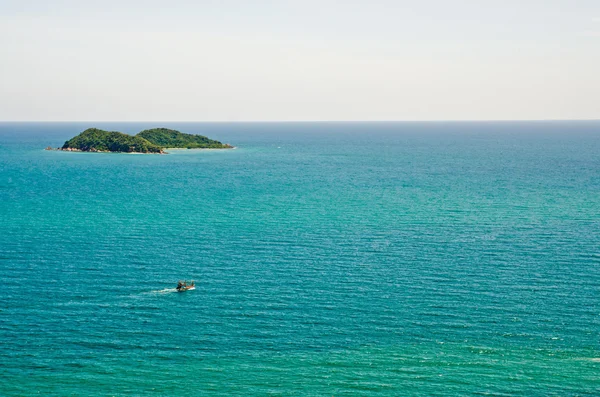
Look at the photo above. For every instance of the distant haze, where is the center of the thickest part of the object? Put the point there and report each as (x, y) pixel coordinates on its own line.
(235, 60)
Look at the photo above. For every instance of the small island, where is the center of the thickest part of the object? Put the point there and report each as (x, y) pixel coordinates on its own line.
(154, 140)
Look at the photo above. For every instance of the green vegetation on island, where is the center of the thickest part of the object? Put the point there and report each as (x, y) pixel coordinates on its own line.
(167, 138)
(96, 140)
(149, 141)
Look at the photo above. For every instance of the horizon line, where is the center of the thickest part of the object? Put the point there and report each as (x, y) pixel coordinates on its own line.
(305, 121)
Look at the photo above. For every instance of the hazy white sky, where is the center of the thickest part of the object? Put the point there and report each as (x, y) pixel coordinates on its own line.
(236, 60)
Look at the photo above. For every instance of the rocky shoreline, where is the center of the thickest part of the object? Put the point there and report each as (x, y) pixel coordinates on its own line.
(94, 150)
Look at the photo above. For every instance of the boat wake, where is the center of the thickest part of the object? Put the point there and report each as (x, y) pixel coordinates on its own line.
(163, 291)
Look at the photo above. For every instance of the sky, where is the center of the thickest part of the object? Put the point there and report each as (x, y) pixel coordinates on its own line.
(308, 60)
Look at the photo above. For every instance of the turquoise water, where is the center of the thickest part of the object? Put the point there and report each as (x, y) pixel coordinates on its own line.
(331, 259)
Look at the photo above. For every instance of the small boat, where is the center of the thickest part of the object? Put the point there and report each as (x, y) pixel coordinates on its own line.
(183, 286)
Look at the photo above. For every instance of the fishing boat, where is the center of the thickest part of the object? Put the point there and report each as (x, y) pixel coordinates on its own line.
(183, 286)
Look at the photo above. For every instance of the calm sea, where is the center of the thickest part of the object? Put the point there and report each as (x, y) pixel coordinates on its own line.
(331, 259)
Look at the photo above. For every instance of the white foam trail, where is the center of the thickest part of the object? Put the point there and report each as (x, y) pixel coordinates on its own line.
(162, 291)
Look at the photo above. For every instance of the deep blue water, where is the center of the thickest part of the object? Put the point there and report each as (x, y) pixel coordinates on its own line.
(331, 259)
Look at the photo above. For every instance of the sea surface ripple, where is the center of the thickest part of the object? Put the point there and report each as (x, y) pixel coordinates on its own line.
(336, 259)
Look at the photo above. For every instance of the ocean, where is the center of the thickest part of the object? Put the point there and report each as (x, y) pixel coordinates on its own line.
(331, 259)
